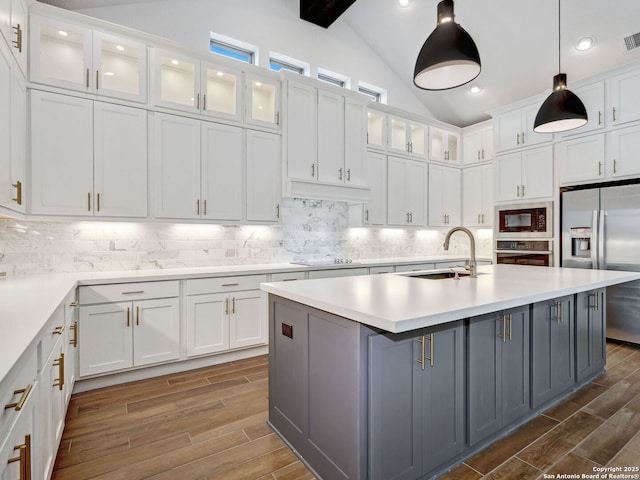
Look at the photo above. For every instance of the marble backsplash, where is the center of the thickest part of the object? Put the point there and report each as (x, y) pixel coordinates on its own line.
(310, 229)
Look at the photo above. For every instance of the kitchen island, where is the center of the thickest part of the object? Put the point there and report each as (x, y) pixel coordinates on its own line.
(397, 376)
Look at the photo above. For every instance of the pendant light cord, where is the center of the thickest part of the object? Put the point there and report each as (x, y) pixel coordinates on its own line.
(559, 69)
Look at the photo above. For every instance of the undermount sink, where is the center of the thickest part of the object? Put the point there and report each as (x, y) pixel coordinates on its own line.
(438, 274)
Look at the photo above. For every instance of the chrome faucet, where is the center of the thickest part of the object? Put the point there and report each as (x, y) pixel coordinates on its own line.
(471, 268)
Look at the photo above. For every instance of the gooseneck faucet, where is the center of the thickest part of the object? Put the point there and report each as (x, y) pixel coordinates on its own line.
(471, 268)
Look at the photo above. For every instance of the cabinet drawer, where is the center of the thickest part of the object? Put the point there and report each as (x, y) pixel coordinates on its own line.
(128, 291)
(342, 272)
(16, 389)
(224, 284)
(288, 277)
(386, 269)
(415, 267)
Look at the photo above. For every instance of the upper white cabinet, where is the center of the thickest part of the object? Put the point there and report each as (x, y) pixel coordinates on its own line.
(264, 176)
(515, 129)
(301, 134)
(581, 159)
(623, 146)
(623, 97)
(477, 196)
(592, 96)
(444, 145)
(93, 163)
(444, 196)
(376, 130)
(375, 209)
(331, 138)
(198, 169)
(478, 146)
(407, 137)
(525, 175)
(406, 192)
(355, 137)
(262, 101)
(71, 56)
(13, 27)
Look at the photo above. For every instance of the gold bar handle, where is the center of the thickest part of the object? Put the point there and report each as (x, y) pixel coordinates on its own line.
(431, 356)
(421, 341)
(128, 316)
(233, 305)
(137, 315)
(24, 458)
(17, 43)
(18, 187)
(58, 330)
(17, 406)
(74, 340)
(75, 303)
(59, 382)
(226, 306)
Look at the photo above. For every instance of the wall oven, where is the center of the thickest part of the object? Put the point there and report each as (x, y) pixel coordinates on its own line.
(525, 220)
(525, 252)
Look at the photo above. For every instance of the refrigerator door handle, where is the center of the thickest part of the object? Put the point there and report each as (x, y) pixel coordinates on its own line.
(601, 254)
(594, 239)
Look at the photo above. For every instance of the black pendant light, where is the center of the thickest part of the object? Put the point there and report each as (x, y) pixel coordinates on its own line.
(449, 57)
(562, 110)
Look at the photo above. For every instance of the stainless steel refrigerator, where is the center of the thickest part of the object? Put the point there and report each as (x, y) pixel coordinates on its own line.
(601, 229)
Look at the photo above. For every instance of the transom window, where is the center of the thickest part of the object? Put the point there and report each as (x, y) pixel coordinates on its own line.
(231, 48)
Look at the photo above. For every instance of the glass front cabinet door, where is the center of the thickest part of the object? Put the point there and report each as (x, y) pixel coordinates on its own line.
(262, 101)
(77, 58)
(176, 81)
(221, 92)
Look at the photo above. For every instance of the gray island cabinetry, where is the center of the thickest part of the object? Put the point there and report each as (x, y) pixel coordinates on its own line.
(591, 350)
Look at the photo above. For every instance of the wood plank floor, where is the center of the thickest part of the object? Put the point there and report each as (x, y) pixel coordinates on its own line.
(210, 423)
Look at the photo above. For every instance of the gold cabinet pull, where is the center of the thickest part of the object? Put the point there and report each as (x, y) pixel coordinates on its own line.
(233, 305)
(17, 406)
(128, 316)
(17, 43)
(18, 187)
(431, 356)
(226, 306)
(421, 341)
(74, 340)
(75, 303)
(24, 458)
(59, 362)
(137, 315)
(503, 335)
(58, 330)
(596, 301)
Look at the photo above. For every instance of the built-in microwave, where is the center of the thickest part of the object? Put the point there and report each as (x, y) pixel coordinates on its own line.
(526, 220)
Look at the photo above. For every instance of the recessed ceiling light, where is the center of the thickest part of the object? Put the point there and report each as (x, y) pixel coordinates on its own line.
(220, 74)
(109, 74)
(62, 33)
(258, 84)
(475, 89)
(404, 3)
(120, 47)
(585, 43)
(175, 62)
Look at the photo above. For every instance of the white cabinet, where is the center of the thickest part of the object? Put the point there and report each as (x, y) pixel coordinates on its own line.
(52, 408)
(330, 138)
(406, 192)
(19, 455)
(262, 101)
(92, 163)
(623, 146)
(477, 196)
(225, 313)
(71, 56)
(581, 159)
(13, 127)
(13, 25)
(444, 196)
(515, 129)
(592, 96)
(443, 145)
(407, 137)
(355, 137)
(623, 97)
(198, 169)
(264, 176)
(478, 146)
(375, 209)
(376, 130)
(525, 175)
(301, 132)
(139, 331)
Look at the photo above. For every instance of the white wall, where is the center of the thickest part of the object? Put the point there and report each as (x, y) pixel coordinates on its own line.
(272, 25)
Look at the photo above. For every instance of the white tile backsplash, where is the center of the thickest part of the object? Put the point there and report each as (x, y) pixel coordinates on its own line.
(310, 229)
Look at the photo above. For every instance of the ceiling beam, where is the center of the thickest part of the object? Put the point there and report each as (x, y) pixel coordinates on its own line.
(323, 12)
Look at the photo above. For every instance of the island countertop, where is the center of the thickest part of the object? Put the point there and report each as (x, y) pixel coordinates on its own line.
(400, 303)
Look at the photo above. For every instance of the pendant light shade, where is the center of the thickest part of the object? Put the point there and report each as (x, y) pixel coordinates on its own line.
(449, 57)
(562, 110)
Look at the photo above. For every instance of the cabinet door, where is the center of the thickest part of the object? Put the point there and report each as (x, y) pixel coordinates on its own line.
(590, 333)
(18, 38)
(395, 410)
(301, 132)
(452, 153)
(437, 145)
(70, 347)
(472, 147)
(376, 130)
(624, 145)
(221, 92)
(375, 208)
(398, 195)
(176, 81)
(416, 182)
(417, 140)
(61, 154)
(515, 365)
(592, 97)
(222, 172)
(262, 101)
(509, 177)
(177, 167)
(563, 346)
(355, 152)
(508, 131)
(52, 408)
(488, 151)
(437, 216)
(60, 54)
(120, 67)
(207, 323)
(23, 442)
(472, 201)
(331, 138)
(625, 104)
(247, 319)
(529, 137)
(156, 331)
(398, 135)
(537, 173)
(19, 125)
(120, 161)
(486, 216)
(264, 176)
(6, 74)
(581, 159)
(451, 196)
(106, 338)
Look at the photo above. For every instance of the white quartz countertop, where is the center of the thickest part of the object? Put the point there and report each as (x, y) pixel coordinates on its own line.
(398, 303)
(26, 303)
